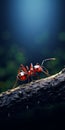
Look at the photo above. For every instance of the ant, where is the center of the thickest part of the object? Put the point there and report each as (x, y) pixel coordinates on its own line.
(24, 73)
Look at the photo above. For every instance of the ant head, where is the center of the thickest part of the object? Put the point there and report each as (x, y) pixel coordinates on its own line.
(38, 68)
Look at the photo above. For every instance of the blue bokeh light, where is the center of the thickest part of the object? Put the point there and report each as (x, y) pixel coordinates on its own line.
(31, 18)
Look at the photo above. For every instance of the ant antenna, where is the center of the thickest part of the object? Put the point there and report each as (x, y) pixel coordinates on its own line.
(47, 60)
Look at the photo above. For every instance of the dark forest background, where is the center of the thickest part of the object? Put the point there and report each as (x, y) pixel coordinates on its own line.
(30, 32)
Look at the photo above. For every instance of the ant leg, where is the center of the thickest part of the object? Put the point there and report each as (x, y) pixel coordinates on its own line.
(37, 75)
(15, 83)
(17, 77)
(28, 80)
(33, 78)
(46, 71)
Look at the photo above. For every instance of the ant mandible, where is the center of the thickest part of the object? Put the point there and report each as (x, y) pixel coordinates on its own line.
(25, 73)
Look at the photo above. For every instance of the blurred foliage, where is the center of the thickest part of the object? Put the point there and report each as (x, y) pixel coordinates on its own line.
(58, 64)
(11, 57)
(53, 66)
(61, 36)
(42, 38)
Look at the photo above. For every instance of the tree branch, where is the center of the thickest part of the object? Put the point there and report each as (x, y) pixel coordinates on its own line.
(34, 94)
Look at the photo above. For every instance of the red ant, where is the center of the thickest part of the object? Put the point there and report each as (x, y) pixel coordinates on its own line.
(25, 73)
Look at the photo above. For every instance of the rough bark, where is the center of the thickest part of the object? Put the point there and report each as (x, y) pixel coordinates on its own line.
(34, 94)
